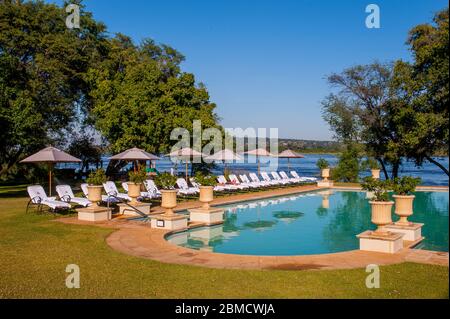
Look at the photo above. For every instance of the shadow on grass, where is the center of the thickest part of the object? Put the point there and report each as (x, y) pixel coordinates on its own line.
(13, 192)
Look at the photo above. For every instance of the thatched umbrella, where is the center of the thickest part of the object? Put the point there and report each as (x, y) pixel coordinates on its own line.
(134, 154)
(185, 154)
(289, 154)
(259, 152)
(50, 155)
(224, 156)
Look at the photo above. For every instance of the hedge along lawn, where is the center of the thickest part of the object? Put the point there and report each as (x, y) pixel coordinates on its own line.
(35, 250)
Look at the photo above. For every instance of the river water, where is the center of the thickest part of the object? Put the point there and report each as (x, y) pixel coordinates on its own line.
(430, 173)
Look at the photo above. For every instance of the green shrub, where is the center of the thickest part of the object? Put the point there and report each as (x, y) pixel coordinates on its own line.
(205, 180)
(165, 181)
(378, 187)
(405, 185)
(97, 177)
(322, 163)
(348, 166)
(137, 177)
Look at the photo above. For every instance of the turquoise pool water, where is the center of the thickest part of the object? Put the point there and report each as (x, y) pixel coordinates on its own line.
(309, 223)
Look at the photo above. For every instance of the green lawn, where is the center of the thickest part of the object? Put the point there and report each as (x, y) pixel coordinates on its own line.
(34, 252)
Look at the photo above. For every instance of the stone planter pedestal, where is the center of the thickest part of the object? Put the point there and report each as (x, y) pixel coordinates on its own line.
(94, 214)
(390, 243)
(170, 222)
(209, 216)
(412, 232)
(325, 183)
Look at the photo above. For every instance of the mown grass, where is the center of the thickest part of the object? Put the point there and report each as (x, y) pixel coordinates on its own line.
(35, 250)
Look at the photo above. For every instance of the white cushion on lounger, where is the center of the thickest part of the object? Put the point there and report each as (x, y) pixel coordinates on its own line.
(65, 193)
(111, 189)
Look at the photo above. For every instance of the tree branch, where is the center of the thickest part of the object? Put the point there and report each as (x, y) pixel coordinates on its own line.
(442, 167)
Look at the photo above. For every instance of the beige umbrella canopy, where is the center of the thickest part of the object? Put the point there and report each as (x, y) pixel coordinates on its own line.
(224, 155)
(185, 154)
(134, 154)
(289, 154)
(259, 152)
(50, 155)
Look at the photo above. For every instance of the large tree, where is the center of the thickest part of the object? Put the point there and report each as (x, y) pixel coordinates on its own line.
(422, 114)
(359, 112)
(140, 95)
(42, 68)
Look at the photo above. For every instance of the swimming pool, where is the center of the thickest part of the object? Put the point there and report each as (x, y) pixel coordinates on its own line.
(309, 223)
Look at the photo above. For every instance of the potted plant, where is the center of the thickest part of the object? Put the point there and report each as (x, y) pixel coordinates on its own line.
(135, 180)
(166, 183)
(403, 188)
(95, 182)
(374, 167)
(324, 167)
(207, 183)
(380, 203)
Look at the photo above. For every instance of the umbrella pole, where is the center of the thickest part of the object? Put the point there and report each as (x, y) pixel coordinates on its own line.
(50, 179)
(186, 171)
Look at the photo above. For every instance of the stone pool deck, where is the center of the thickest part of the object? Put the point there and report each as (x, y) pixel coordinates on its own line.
(138, 239)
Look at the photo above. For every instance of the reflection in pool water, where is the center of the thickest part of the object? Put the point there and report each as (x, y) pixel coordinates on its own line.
(309, 223)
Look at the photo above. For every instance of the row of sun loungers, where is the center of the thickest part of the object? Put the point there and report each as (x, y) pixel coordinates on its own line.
(243, 183)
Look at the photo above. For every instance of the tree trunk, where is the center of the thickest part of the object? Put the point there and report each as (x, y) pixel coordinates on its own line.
(114, 167)
(442, 167)
(395, 168)
(383, 167)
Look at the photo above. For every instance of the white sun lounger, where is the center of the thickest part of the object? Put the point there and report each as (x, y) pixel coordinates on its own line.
(266, 177)
(224, 183)
(151, 188)
(65, 194)
(256, 179)
(39, 197)
(246, 181)
(222, 180)
(235, 181)
(286, 177)
(278, 178)
(303, 179)
(112, 191)
(184, 188)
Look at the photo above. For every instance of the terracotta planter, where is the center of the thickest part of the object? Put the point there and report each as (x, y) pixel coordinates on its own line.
(169, 200)
(206, 195)
(134, 191)
(403, 208)
(375, 173)
(325, 173)
(95, 194)
(381, 214)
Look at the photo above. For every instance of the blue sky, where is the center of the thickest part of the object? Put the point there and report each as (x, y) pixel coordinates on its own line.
(264, 62)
